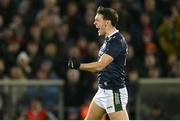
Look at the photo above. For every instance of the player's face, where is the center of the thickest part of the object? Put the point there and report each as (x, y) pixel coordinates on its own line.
(100, 24)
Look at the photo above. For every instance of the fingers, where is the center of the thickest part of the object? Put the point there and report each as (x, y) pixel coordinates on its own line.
(73, 63)
(70, 64)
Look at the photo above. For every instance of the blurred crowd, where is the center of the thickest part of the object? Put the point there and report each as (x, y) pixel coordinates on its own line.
(38, 36)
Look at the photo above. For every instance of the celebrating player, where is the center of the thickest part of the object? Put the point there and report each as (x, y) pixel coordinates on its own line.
(111, 96)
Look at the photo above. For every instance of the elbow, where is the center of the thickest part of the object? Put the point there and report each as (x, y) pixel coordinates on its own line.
(99, 69)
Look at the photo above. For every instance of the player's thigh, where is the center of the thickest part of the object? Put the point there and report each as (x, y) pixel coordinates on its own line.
(116, 104)
(95, 112)
(120, 115)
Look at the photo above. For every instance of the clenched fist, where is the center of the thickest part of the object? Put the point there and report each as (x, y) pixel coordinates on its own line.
(73, 63)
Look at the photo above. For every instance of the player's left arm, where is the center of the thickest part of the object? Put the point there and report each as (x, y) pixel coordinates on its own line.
(97, 66)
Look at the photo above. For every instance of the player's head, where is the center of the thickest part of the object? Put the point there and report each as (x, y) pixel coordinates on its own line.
(105, 18)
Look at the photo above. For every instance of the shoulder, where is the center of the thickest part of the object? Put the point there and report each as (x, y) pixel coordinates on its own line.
(117, 38)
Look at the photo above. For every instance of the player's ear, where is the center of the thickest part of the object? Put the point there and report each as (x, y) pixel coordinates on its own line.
(108, 22)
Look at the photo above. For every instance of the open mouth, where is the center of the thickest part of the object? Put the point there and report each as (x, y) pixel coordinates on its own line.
(98, 28)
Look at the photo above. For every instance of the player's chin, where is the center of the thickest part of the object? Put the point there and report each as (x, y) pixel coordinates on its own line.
(100, 33)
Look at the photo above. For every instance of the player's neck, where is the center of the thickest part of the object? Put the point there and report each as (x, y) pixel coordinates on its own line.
(109, 31)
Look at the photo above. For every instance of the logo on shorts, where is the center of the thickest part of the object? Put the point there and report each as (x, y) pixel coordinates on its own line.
(109, 107)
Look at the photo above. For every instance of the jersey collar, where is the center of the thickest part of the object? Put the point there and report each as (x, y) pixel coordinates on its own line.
(113, 33)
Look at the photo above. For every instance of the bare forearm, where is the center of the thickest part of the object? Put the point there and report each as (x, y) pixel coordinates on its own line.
(91, 67)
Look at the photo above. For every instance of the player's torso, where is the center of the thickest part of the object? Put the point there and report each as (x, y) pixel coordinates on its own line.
(113, 75)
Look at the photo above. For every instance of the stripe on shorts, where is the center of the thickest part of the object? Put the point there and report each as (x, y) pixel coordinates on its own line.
(117, 100)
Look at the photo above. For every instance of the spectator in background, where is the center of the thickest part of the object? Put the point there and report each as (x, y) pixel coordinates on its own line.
(73, 89)
(48, 19)
(16, 73)
(23, 62)
(155, 16)
(35, 33)
(143, 26)
(7, 10)
(63, 39)
(169, 34)
(149, 45)
(82, 46)
(154, 72)
(32, 49)
(73, 18)
(132, 59)
(88, 29)
(72, 113)
(50, 52)
(124, 18)
(74, 51)
(84, 109)
(47, 67)
(171, 65)
(24, 11)
(19, 29)
(36, 111)
(150, 64)
(133, 86)
(157, 113)
(91, 52)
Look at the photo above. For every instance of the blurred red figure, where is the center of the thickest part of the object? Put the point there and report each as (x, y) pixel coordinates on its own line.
(84, 109)
(36, 111)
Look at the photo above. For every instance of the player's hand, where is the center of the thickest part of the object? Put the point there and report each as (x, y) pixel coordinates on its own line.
(73, 63)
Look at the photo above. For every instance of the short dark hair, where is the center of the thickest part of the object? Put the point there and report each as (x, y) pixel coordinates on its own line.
(108, 14)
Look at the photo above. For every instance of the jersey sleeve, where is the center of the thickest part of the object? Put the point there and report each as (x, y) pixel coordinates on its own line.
(114, 47)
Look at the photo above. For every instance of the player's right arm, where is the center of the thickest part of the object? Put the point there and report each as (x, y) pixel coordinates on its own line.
(97, 66)
(113, 49)
(92, 67)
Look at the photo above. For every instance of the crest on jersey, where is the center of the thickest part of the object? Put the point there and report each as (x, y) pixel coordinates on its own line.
(100, 53)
